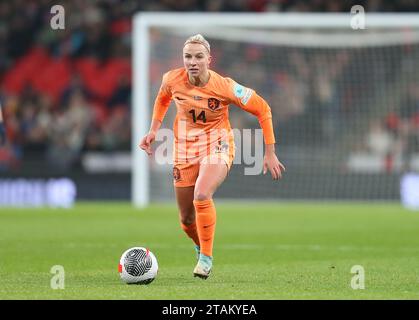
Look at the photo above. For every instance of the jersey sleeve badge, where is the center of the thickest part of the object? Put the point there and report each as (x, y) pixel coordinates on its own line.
(242, 93)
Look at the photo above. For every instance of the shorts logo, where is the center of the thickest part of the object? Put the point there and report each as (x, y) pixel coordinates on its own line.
(176, 173)
(239, 90)
(222, 147)
(213, 103)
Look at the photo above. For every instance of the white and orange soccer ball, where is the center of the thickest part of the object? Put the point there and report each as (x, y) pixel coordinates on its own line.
(138, 265)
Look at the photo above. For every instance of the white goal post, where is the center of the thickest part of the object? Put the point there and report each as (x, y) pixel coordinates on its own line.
(275, 29)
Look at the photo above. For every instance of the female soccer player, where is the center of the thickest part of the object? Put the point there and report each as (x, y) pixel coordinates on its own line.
(204, 143)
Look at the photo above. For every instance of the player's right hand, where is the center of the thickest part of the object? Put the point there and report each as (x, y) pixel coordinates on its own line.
(146, 142)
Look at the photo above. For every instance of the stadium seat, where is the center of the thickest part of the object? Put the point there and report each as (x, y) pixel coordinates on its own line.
(102, 79)
(53, 78)
(25, 69)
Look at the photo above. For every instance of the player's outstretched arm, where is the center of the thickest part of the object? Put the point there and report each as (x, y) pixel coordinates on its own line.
(161, 104)
(248, 100)
(271, 162)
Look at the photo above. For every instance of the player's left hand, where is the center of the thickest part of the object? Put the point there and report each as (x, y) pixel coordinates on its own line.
(271, 163)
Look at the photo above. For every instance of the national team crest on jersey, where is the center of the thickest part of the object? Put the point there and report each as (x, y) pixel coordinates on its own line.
(213, 103)
(176, 173)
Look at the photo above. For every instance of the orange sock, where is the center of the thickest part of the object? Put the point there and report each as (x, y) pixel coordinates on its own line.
(205, 221)
(191, 231)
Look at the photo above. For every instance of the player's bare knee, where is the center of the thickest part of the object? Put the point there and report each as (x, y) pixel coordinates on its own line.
(202, 195)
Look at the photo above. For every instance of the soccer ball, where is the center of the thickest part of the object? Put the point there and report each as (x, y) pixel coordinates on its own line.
(138, 265)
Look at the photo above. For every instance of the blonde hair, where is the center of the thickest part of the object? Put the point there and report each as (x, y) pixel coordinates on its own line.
(198, 38)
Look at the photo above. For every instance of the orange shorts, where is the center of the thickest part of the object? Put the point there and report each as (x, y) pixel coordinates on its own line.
(185, 174)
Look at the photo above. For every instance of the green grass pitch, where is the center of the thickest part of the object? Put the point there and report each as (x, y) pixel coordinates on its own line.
(262, 251)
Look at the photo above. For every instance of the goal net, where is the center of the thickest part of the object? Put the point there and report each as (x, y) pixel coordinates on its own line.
(345, 103)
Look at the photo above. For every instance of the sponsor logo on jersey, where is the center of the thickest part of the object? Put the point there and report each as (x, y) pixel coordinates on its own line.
(213, 103)
(176, 173)
(239, 90)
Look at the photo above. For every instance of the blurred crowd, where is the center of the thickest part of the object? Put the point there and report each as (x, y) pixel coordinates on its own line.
(395, 137)
(67, 91)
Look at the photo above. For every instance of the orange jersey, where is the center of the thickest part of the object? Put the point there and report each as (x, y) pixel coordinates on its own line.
(202, 123)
